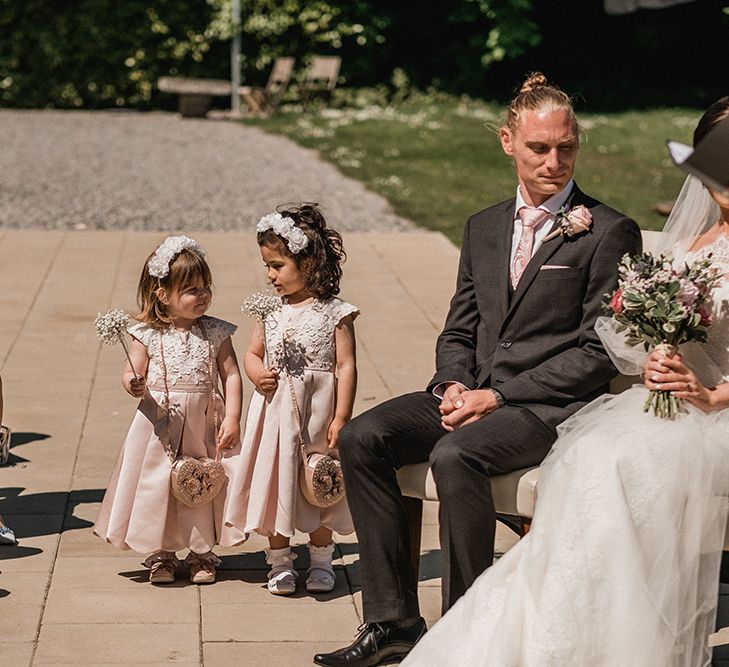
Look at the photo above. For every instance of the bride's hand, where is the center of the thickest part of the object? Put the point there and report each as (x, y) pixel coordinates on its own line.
(671, 374)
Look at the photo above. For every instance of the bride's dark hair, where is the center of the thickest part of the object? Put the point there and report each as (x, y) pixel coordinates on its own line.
(714, 114)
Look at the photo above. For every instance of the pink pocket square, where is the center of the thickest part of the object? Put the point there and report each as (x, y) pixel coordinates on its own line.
(547, 267)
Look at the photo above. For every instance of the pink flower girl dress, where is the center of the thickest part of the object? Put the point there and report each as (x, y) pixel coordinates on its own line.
(300, 343)
(139, 511)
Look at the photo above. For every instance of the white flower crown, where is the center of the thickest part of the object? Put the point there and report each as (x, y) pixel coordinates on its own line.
(159, 265)
(284, 226)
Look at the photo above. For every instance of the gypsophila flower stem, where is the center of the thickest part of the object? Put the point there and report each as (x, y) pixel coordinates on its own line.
(126, 351)
(111, 328)
(260, 305)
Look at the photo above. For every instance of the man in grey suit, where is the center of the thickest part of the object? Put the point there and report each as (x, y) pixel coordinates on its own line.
(518, 355)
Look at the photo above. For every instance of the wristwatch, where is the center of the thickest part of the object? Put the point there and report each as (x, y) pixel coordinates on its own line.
(500, 401)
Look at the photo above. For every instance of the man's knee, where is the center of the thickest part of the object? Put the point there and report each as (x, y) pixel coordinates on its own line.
(358, 438)
(451, 464)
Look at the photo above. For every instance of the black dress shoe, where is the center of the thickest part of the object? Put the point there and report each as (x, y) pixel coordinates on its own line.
(376, 643)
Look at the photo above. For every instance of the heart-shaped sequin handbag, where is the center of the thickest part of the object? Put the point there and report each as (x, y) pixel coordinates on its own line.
(195, 481)
(320, 475)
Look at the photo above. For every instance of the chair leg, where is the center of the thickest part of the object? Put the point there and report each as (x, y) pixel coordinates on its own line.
(414, 512)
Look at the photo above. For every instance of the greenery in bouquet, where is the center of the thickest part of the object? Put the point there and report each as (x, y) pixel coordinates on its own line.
(662, 304)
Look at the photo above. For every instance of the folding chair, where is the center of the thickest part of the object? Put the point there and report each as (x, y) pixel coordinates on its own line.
(321, 77)
(263, 101)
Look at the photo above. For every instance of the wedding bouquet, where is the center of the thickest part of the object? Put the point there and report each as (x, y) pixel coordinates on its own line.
(663, 304)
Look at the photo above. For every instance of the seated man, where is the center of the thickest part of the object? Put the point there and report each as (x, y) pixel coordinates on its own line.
(518, 354)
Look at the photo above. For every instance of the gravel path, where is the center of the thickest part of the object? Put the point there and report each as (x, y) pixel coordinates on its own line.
(158, 171)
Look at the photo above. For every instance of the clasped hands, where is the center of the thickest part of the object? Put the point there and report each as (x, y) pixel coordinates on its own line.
(663, 373)
(460, 406)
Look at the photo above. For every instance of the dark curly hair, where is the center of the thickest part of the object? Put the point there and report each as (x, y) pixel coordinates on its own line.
(713, 115)
(321, 260)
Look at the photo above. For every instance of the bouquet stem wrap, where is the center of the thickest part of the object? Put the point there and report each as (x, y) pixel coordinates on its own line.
(664, 403)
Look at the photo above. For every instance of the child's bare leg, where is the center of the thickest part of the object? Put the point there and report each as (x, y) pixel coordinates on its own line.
(278, 541)
(321, 537)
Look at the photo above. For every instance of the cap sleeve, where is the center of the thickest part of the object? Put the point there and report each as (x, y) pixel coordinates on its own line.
(142, 332)
(340, 310)
(218, 330)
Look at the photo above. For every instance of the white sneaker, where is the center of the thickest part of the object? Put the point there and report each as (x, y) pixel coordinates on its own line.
(282, 577)
(321, 577)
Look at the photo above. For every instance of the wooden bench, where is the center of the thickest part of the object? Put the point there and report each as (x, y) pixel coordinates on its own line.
(196, 95)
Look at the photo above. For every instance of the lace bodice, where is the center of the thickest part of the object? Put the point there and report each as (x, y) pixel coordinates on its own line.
(717, 344)
(186, 355)
(302, 338)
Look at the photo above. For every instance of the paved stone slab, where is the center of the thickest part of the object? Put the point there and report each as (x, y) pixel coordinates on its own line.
(150, 642)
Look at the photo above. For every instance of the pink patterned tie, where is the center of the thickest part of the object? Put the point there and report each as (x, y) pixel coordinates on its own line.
(531, 218)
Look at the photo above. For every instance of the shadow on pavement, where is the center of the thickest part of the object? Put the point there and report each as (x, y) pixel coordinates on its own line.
(19, 439)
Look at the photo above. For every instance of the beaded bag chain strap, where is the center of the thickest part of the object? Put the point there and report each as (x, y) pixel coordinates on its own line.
(321, 483)
(212, 376)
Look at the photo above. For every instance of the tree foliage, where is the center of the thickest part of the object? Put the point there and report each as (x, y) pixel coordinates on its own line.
(101, 53)
(98, 53)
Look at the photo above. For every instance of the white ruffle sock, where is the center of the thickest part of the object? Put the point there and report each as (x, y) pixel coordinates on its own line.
(282, 577)
(320, 575)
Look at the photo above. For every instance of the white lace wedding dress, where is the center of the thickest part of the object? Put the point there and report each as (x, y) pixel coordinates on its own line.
(621, 566)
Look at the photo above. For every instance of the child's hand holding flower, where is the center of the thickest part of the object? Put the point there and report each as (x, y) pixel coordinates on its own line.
(267, 380)
(137, 387)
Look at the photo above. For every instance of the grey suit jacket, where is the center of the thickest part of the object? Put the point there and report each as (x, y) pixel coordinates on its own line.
(537, 346)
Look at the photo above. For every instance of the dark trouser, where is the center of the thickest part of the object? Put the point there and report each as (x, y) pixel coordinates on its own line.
(407, 430)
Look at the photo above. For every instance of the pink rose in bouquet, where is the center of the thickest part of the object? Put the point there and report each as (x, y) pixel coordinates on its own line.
(616, 302)
(662, 304)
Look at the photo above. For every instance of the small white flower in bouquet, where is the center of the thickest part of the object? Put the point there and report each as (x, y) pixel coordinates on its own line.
(661, 305)
(111, 328)
(260, 305)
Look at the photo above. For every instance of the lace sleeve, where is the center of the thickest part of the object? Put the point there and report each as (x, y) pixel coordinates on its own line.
(141, 332)
(218, 330)
(340, 310)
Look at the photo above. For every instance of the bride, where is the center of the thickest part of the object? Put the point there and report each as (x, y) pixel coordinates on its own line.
(621, 567)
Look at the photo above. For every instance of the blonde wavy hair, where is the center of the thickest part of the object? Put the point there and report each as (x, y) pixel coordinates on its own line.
(536, 94)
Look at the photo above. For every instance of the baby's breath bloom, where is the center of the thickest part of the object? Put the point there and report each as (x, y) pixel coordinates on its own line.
(111, 326)
(260, 305)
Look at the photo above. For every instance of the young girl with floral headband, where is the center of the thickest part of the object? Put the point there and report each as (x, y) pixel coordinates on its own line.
(305, 376)
(176, 356)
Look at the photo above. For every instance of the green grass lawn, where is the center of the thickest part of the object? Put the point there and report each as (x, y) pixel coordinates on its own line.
(437, 160)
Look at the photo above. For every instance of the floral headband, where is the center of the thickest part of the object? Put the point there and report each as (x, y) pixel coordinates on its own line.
(159, 265)
(284, 226)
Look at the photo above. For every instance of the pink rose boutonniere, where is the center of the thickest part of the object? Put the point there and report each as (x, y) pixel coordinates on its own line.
(571, 222)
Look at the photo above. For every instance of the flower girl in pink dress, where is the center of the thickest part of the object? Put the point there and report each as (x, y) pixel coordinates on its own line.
(177, 353)
(306, 386)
